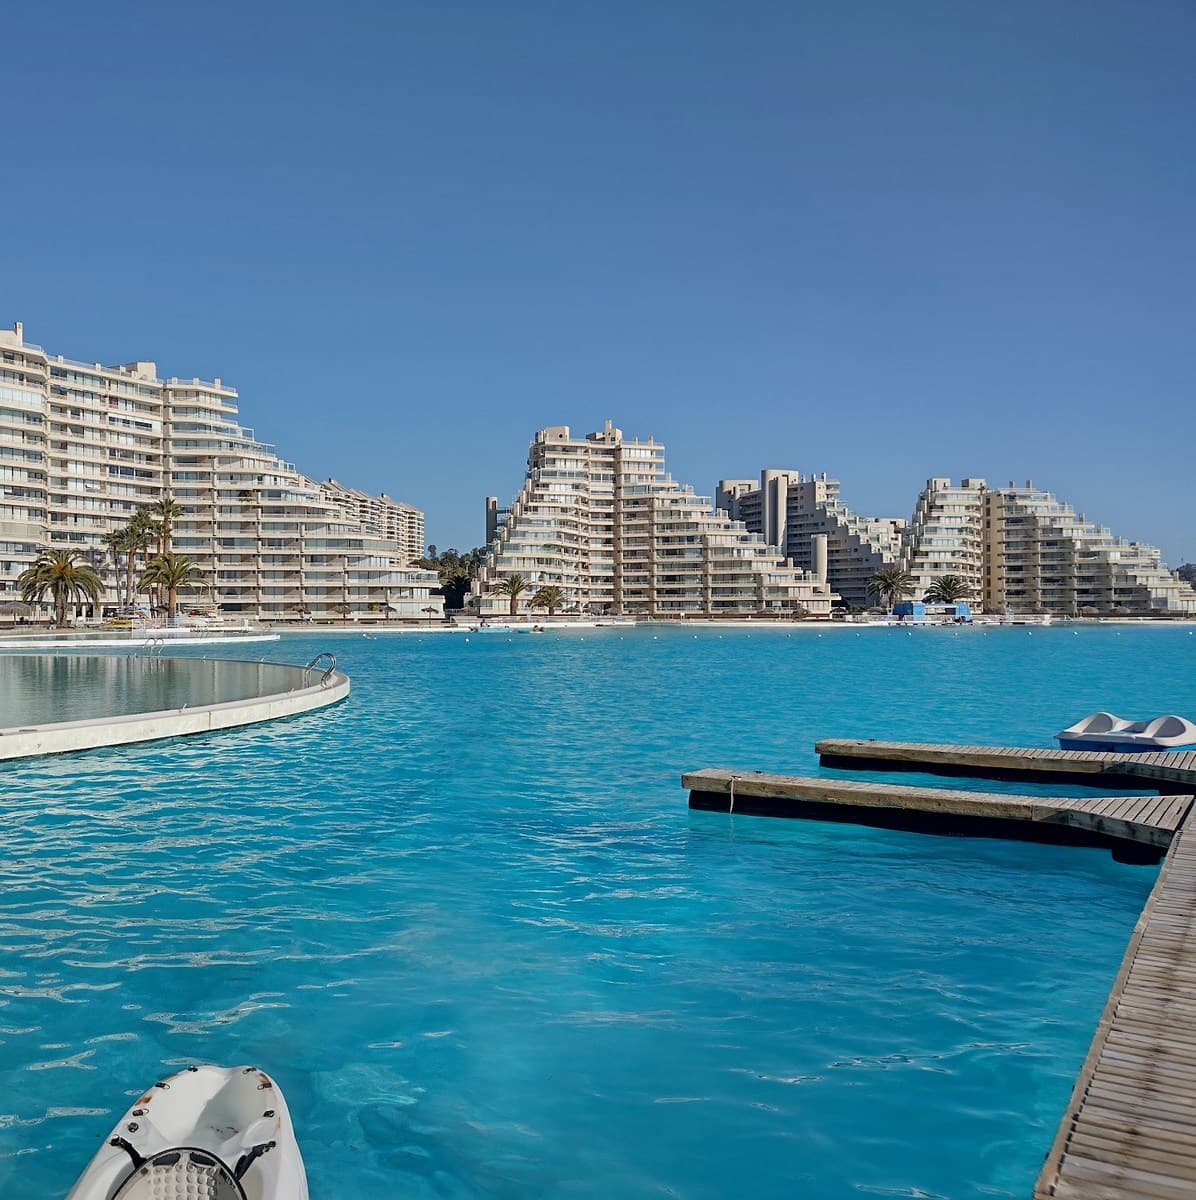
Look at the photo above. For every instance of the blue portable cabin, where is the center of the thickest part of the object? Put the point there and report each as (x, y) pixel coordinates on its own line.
(918, 611)
(910, 610)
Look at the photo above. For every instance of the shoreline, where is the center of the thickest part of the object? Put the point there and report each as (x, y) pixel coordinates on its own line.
(41, 638)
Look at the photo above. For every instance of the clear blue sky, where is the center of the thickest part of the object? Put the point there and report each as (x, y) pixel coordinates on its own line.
(885, 240)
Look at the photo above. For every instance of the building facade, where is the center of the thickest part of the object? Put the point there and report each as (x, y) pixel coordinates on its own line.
(945, 536)
(800, 514)
(396, 522)
(1022, 550)
(600, 518)
(1017, 549)
(1044, 557)
(83, 446)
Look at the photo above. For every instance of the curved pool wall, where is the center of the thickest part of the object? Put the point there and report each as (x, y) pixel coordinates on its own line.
(112, 700)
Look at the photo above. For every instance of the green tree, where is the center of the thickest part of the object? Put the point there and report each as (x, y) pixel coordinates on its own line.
(455, 571)
(550, 597)
(947, 589)
(68, 581)
(171, 572)
(140, 533)
(165, 513)
(1187, 573)
(890, 584)
(114, 541)
(513, 586)
(454, 588)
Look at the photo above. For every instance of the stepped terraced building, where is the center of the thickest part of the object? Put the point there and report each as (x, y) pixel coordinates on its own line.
(1019, 550)
(795, 512)
(1023, 550)
(601, 519)
(83, 446)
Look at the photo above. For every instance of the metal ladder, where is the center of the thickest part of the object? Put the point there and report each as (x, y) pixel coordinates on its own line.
(328, 670)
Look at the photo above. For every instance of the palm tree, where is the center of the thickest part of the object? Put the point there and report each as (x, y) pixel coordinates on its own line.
(550, 597)
(165, 512)
(947, 589)
(512, 586)
(139, 533)
(114, 540)
(126, 542)
(891, 583)
(454, 585)
(172, 572)
(67, 581)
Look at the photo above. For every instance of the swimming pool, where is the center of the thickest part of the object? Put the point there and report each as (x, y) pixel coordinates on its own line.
(36, 689)
(469, 924)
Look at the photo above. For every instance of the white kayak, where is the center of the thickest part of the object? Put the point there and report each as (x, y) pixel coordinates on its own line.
(207, 1133)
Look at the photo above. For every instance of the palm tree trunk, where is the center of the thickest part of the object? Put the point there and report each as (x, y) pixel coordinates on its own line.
(60, 608)
(172, 602)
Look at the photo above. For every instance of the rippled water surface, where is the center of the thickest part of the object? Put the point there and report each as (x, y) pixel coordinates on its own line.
(468, 922)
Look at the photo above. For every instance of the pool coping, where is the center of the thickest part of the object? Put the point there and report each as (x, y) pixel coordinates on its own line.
(65, 737)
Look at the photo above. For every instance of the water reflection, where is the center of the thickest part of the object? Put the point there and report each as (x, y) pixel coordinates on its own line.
(42, 688)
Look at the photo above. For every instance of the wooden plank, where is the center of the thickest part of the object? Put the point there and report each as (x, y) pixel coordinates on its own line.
(1130, 1127)
(1130, 1149)
(1135, 1182)
(1081, 813)
(1176, 1130)
(1164, 766)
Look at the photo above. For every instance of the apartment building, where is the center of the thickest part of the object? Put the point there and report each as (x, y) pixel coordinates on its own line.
(1017, 549)
(396, 522)
(1022, 550)
(945, 536)
(83, 446)
(1042, 556)
(600, 518)
(804, 516)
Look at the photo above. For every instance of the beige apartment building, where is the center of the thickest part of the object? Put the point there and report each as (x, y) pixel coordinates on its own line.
(396, 522)
(1022, 550)
(83, 446)
(945, 536)
(1043, 557)
(803, 514)
(1018, 549)
(600, 518)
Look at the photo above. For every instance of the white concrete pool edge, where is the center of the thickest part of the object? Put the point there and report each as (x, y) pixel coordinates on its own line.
(83, 642)
(64, 737)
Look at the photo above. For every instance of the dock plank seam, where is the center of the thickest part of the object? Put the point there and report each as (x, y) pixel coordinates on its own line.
(1138, 1079)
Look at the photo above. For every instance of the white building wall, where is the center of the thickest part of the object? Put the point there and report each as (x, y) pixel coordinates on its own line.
(83, 446)
(600, 518)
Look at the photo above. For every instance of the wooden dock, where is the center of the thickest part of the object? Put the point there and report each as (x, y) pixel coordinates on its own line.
(1164, 772)
(1135, 828)
(1129, 1132)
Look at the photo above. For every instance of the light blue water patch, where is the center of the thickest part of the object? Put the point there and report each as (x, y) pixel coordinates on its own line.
(468, 922)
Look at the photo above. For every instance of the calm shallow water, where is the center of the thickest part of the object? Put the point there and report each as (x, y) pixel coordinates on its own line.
(468, 922)
(39, 688)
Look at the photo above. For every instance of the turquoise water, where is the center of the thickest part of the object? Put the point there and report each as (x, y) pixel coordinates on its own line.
(39, 688)
(469, 923)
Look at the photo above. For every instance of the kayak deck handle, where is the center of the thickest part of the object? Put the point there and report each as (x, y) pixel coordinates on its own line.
(250, 1157)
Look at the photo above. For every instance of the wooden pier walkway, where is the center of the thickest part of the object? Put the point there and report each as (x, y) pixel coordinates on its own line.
(1112, 821)
(1129, 1132)
(1166, 771)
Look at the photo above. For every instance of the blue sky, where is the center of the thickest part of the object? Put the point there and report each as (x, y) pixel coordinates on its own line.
(885, 240)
